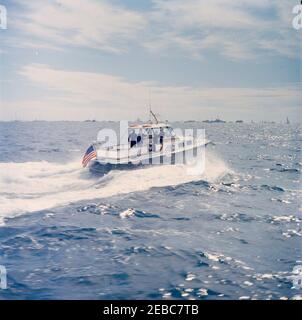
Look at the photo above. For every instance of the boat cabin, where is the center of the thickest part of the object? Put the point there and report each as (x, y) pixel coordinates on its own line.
(149, 133)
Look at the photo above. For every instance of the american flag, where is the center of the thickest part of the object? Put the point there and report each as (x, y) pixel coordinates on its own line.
(89, 155)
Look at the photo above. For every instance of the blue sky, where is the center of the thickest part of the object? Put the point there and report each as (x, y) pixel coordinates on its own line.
(195, 59)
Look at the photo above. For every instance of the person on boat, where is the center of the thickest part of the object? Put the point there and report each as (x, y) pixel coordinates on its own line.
(151, 138)
(132, 139)
(139, 138)
(161, 139)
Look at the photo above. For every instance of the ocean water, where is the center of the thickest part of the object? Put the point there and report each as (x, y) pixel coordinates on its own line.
(234, 232)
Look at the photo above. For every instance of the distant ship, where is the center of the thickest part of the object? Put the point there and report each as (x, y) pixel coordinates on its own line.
(217, 120)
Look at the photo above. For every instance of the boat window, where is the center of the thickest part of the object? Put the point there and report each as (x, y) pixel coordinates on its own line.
(156, 131)
(149, 131)
(169, 132)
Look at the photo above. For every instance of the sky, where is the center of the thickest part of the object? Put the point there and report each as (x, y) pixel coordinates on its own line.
(191, 60)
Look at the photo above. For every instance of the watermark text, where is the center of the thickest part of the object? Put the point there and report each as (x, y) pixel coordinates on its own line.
(297, 21)
(3, 17)
(3, 277)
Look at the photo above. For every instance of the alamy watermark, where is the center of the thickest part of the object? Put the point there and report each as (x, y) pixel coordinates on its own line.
(297, 21)
(296, 277)
(3, 17)
(153, 145)
(3, 277)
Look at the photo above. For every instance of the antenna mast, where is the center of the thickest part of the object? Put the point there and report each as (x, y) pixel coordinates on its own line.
(151, 113)
(149, 100)
(154, 116)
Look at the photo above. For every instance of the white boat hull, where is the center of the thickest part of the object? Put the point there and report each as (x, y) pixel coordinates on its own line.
(139, 156)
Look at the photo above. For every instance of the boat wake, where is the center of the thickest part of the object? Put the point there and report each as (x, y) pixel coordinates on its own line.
(34, 186)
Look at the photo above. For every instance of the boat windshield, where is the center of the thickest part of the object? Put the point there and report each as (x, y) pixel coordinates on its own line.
(139, 136)
(165, 131)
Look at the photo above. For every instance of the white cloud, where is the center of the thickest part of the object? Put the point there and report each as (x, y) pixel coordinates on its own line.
(89, 23)
(236, 29)
(77, 95)
(208, 14)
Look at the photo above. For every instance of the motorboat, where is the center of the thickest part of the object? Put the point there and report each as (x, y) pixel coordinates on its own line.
(152, 142)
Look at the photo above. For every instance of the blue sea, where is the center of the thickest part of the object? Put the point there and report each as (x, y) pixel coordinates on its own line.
(234, 232)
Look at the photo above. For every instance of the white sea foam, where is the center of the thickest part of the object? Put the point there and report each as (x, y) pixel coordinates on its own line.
(127, 213)
(34, 186)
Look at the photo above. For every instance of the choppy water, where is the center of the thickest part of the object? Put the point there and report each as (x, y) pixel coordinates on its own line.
(234, 232)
